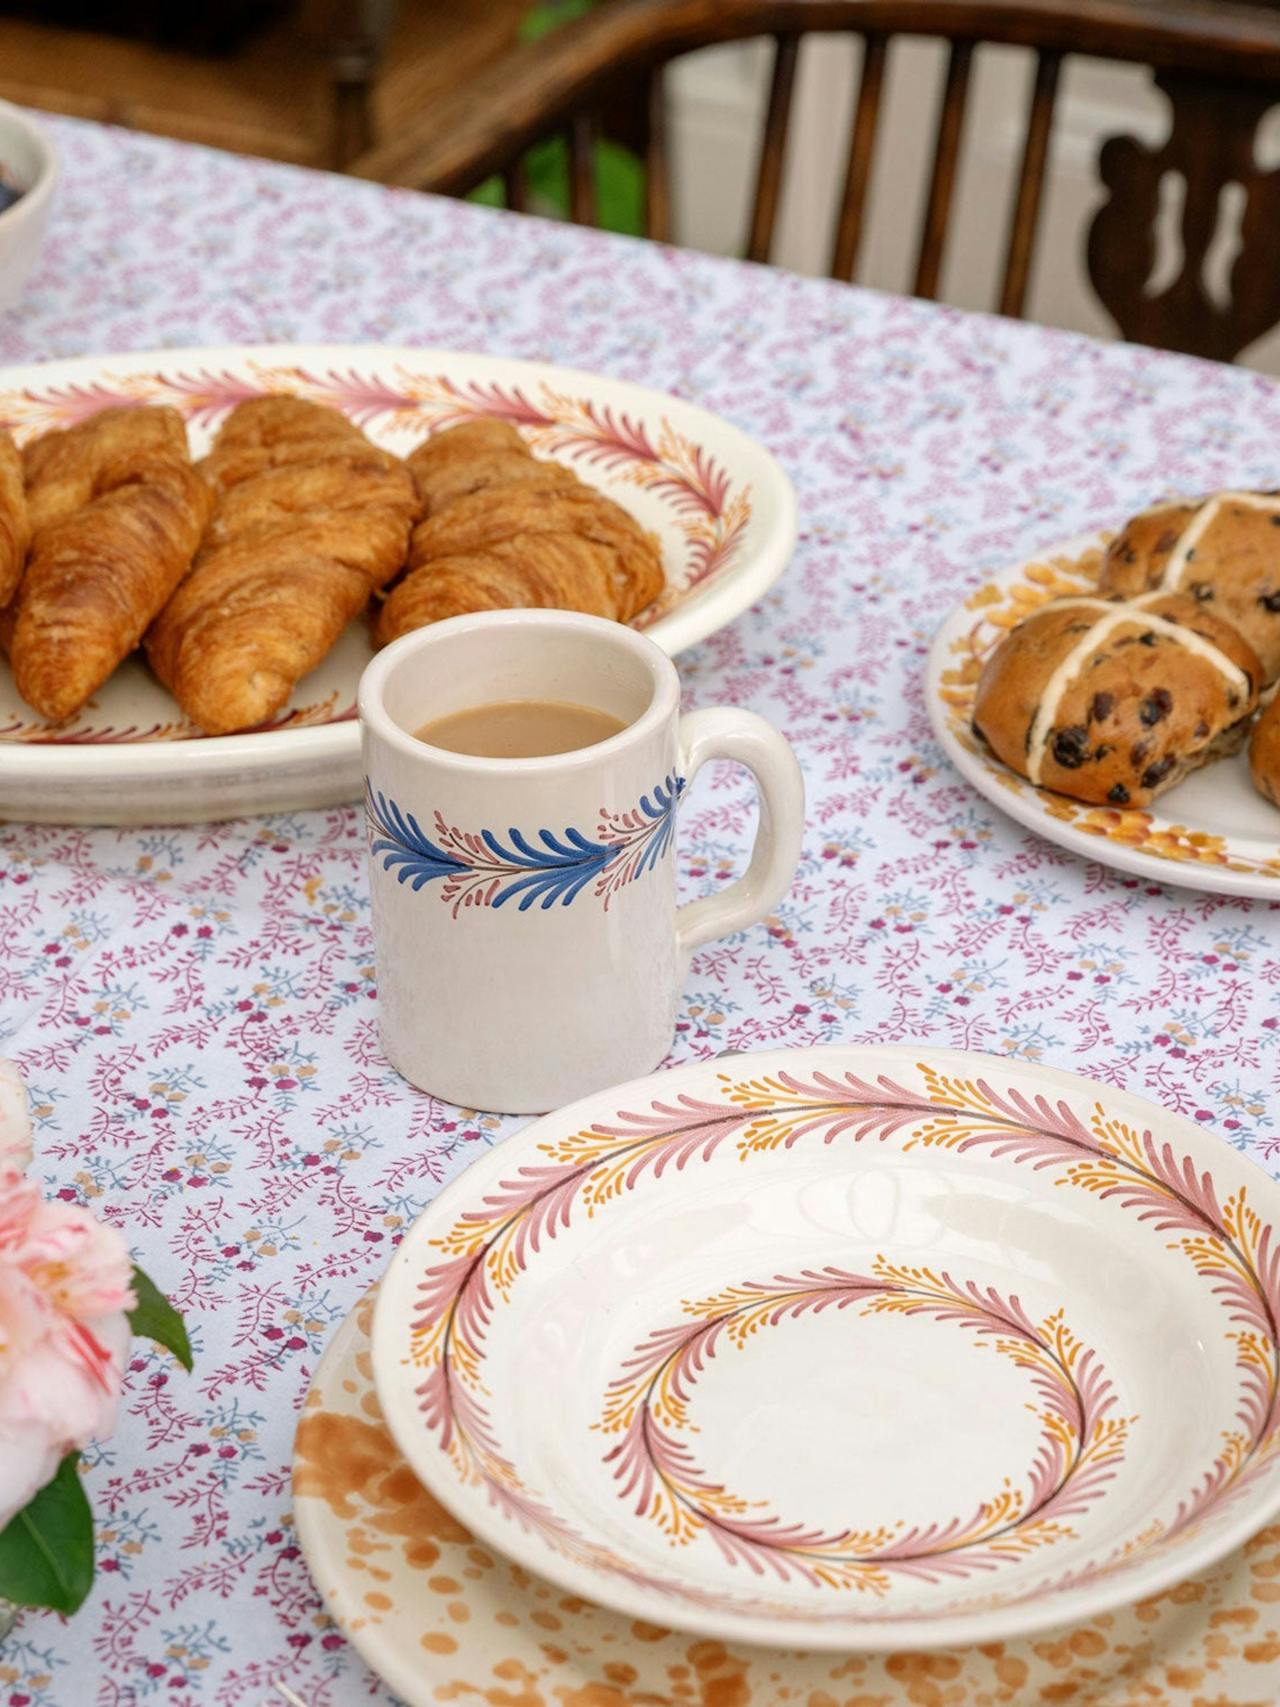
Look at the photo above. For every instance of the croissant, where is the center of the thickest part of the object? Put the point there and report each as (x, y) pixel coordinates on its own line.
(64, 469)
(503, 530)
(116, 512)
(309, 518)
(539, 571)
(15, 530)
(475, 456)
(277, 432)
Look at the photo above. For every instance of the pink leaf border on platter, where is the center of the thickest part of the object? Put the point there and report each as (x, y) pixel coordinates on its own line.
(85, 734)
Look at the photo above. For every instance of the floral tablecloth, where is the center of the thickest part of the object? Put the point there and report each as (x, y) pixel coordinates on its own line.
(195, 1009)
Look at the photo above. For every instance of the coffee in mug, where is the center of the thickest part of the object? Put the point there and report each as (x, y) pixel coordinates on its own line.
(521, 729)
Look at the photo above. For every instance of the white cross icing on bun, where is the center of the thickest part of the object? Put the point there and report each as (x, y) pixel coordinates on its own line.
(1113, 701)
(1224, 551)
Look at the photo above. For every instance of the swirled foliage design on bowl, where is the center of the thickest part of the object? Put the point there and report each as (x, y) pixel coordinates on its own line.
(648, 1407)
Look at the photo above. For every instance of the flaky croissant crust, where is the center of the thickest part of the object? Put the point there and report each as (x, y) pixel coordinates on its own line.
(309, 518)
(15, 528)
(116, 512)
(502, 529)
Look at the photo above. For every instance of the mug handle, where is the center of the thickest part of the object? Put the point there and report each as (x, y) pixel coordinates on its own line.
(727, 732)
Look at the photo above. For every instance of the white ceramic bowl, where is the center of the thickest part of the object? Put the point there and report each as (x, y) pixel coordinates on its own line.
(28, 158)
(848, 1348)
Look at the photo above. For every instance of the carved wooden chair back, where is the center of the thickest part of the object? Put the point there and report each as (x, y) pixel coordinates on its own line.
(1218, 64)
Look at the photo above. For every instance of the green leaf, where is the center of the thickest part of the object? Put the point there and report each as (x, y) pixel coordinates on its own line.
(46, 1552)
(619, 174)
(549, 15)
(154, 1318)
(546, 168)
(619, 184)
(489, 194)
(619, 189)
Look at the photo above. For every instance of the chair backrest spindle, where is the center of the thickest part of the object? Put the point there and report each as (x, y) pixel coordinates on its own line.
(657, 177)
(862, 144)
(942, 181)
(583, 130)
(773, 147)
(515, 187)
(1026, 208)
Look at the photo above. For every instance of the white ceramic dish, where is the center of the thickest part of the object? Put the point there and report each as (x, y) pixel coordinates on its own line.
(1214, 831)
(443, 1619)
(847, 1348)
(723, 509)
(28, 159)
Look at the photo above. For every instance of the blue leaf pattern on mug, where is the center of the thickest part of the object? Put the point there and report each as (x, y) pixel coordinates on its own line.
(480, 869)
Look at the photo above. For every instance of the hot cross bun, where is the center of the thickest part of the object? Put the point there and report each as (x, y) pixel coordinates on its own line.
(1223, 551)
(1113, 701)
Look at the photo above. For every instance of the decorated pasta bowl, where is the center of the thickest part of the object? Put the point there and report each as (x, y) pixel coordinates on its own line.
(847, 1348)
(449, 1618)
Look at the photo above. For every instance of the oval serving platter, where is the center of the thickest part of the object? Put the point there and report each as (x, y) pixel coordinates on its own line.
(847, 1348)
(1213, 831)
(722, 507)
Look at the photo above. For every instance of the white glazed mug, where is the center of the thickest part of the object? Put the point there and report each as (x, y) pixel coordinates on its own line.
(529, 945)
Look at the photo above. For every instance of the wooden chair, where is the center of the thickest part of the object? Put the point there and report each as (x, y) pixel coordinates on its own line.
(317, 85)
(1217, 63)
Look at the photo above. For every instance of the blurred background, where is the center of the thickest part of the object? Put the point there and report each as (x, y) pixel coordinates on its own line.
(349, 84)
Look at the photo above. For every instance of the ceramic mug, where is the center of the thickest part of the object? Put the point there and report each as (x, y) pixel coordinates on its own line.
(529, 946)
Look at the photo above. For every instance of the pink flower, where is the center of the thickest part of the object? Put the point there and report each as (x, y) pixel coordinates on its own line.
(64, 1332)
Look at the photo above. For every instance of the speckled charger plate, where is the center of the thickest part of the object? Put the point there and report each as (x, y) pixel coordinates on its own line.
(444, 1620)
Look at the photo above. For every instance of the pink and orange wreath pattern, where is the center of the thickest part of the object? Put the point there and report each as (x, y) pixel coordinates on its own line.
(1080, 1441)
(480, 1626)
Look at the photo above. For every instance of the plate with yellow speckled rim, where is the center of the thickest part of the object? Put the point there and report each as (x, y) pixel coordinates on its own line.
(1213, 831)
(442, 1618)
(721, 507)
(847, 1348)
